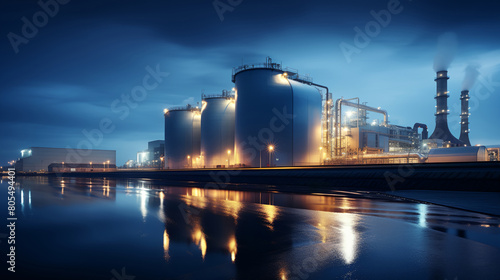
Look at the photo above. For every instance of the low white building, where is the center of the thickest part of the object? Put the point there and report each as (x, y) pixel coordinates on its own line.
(38, 159)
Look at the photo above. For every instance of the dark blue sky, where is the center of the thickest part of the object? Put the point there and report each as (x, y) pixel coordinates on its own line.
(66, 76)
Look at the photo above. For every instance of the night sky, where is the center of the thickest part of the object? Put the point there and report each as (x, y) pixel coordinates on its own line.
(78, 67)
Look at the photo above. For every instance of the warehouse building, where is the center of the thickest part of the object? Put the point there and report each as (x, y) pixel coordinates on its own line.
(38, 159)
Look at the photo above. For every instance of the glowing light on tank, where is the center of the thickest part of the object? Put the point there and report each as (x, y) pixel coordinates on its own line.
(276, 95)
(182, 136)
(217, 132)
(203, 105)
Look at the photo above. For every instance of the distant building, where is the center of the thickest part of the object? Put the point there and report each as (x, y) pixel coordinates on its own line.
(129, 164)
(355, 135)
(38, 159)
(142, 158)
(151, 157)
(156, 150)
(81, 167)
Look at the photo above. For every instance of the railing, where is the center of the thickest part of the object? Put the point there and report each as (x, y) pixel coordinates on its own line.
(265, 65)
(292, 73)
(225, 94)
(184, 108)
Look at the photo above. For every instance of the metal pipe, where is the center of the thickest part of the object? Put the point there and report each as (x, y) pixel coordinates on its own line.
(338, 118)
(425, 132)
(338, 127)
(327, 116)
(367, 108)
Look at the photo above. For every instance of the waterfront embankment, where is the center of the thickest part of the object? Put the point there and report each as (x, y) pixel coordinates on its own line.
(476, 176)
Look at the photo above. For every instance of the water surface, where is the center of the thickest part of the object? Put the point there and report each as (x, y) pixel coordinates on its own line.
(77, 228)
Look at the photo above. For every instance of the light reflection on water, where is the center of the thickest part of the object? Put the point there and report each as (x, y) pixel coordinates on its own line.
(237, 234)
(422, 215)
(349, 237)
(270, 213)
(143, 196)
(166, 243)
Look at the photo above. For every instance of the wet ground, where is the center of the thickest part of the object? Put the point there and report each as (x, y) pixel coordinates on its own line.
(78, 228)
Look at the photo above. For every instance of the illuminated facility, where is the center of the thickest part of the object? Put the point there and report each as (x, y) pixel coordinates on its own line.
(276, 117)
(153, 156)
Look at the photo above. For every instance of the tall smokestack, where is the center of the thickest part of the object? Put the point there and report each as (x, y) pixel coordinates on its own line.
(464, 118)
(442, 131)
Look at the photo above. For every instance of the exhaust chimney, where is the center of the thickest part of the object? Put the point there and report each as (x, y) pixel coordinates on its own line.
(464, 118)
(442, 131)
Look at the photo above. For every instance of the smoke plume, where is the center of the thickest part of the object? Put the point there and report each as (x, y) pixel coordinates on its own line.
(446, 49)
(471, 74)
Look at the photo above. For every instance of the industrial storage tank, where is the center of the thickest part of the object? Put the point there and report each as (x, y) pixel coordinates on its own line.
(182, 137)
(217, 130)
(278, 117)
(458, 154)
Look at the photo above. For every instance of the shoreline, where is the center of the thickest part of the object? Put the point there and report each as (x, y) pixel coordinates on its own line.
(474, 176)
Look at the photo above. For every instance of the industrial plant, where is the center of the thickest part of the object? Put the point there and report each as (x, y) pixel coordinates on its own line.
(276, 117)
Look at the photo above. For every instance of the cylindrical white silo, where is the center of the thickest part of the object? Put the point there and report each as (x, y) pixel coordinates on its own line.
(217, 130)
(182, 137)
(272, 109)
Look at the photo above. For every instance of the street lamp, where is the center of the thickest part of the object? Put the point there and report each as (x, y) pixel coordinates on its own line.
(188, 157)
(260, 156)
(270, 149)
(228, 158)
(320, 155)
(161, 162)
